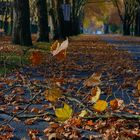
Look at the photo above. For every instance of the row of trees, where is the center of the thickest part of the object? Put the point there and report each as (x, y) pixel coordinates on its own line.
(63, 25)
(66, 15)
(129, 12)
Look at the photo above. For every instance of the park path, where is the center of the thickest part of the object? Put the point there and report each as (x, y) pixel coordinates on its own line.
(86, 55)
(129, 44)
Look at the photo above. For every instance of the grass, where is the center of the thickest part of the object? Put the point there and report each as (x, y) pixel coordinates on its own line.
(42, 46)
(14, 59)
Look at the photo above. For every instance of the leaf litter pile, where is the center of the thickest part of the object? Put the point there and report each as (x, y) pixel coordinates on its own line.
(83, 89)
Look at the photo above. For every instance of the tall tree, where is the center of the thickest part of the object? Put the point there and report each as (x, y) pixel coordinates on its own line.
(21, 24)
(137, 20)
(54, 14)
(42, 20)
(127, 13)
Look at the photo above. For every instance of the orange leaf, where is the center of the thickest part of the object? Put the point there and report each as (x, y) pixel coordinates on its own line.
(100, 105)
(54, 45)
(58, 80)
(90, 123)
(61, 55)
(75, 122)
(36, 58)
(138, 85)
(35, 110)
(55, 125)
(114, 104)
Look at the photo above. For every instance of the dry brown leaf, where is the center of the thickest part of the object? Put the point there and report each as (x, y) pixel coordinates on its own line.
(94, 80)
(61, 55)
(138, 85)
(36, 58)
(53, 94)
(114, 104)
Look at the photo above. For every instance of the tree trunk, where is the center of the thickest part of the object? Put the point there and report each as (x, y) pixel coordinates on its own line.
(21, 27)
(126, 28)
(60, 19)
(106, 28)
(137, 23)
(11, 23)
(42, 21)
(76, 26)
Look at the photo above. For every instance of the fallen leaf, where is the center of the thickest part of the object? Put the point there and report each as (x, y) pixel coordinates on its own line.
(36, 58)
(114, 104)
(138, 85)
(94, 80)
(75, 122)
(100, 105)
(83, 113)
(29, 121)
(95, 94)
(53, 94)
(64, 113)
(90, 123)
(34, 110)
(61, 55)
(60, 48)
(54, 45)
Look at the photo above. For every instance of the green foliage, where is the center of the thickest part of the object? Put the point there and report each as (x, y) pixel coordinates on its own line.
(42, 45)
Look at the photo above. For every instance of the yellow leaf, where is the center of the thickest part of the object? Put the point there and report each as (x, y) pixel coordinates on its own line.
(100, 105)
(83, 113)
(64, 113)
(95, 92)
(54, 45)
(53, 94)
(94, 80)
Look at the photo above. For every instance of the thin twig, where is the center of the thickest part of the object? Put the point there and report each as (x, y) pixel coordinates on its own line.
(27, 106)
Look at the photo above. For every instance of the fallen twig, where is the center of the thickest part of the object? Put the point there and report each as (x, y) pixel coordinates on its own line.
(27, 106)
(112, 115)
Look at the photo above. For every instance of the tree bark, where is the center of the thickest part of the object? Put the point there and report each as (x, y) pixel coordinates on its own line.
(137, 23)
(106, 28)
(11, 23)
(126, 28)
(76, 26)
(42, 21)
(54, 14)
(21, 27)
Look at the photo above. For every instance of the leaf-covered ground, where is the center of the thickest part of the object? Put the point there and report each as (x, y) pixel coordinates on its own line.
(93, 93)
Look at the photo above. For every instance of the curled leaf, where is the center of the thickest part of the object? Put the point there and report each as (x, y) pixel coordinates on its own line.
(54, 45)
(95, 94)
(60, 48)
